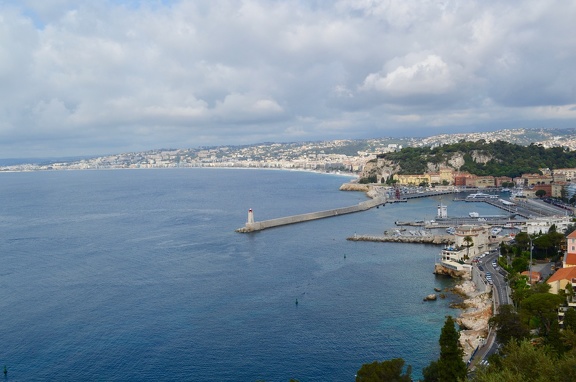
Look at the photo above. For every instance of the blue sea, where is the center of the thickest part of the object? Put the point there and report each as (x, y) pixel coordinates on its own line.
(138, 275)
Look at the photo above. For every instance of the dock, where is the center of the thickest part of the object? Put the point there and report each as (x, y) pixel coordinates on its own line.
(265, 224)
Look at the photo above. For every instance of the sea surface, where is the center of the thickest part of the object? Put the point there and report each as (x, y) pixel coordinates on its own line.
(138, 275)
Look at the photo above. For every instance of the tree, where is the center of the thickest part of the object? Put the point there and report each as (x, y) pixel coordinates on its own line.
(570, 319)
(523, 241)
(543, 307)
(521, 361)
(540, 193)
(468, 242)
(519, 264)
(390, 370)
(508, 325)
(450, 367)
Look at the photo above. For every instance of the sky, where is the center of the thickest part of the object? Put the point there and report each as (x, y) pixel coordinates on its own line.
(95, 77)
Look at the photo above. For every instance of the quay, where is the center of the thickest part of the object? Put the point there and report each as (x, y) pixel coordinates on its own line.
(252, 226)
(499, 221)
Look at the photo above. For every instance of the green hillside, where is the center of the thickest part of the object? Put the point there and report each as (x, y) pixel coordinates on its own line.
(505, 159)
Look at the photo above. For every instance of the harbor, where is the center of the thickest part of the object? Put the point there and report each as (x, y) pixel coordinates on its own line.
(518, 211)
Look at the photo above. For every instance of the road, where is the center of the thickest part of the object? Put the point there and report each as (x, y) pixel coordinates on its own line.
(500, 296)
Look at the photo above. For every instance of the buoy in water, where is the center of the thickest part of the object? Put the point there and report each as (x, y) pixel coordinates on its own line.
(296, 301)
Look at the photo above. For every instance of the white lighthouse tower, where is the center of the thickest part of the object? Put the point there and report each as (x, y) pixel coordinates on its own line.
(250, 217)
(442, 211)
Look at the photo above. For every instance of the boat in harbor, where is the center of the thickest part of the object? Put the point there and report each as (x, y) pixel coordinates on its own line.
(480, 196)
(474, 214)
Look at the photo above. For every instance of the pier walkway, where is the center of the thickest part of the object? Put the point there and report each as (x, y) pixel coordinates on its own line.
(264, 224)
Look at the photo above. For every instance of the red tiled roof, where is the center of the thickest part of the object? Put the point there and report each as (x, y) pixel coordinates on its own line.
(570, 259)
(563, 274)
(572, 235)
(535, 275)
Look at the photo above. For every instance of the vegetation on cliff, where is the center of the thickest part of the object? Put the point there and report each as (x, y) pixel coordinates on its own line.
(481, 158)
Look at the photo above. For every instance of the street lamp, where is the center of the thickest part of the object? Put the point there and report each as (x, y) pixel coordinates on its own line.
(530, 265)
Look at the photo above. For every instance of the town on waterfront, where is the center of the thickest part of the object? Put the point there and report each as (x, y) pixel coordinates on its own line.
(511, 265)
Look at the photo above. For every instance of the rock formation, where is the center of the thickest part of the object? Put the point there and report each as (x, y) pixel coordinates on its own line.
(440, 270)
(355, 187)
(474, 318)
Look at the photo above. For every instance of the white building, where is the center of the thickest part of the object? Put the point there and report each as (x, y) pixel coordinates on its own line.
(464, 251)
(538, 226)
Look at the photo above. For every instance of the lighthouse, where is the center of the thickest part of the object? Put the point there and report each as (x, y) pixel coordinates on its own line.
(250, 217)
(442, 211)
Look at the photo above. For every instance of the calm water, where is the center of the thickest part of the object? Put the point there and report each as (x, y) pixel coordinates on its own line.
(138, 275)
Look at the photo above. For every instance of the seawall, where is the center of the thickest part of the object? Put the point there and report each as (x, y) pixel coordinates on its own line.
(264, 224)
(425, 239)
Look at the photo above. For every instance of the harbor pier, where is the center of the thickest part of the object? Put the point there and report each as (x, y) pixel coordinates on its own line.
(252, 225)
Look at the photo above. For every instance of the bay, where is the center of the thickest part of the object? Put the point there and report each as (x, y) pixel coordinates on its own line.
(134, 275)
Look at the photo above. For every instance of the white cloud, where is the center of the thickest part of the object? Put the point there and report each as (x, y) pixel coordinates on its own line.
(125, 74)
(428, 76)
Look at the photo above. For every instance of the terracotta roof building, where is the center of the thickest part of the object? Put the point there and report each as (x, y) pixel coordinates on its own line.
(536, 276)
(561, 278)
(570, 258)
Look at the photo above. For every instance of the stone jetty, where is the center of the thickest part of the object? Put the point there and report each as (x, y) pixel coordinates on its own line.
(265, 224)
(422, 239)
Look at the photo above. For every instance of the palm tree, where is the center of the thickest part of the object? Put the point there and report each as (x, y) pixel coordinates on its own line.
(468, 242)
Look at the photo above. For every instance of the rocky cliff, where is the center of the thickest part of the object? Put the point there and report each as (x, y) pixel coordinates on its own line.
(382, 168)
(474, 319)
(379, 169)
(440, 270)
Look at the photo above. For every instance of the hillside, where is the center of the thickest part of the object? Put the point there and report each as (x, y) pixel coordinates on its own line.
(480, 158)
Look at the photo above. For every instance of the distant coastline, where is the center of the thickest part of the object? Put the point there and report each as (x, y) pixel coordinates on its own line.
(7, 169)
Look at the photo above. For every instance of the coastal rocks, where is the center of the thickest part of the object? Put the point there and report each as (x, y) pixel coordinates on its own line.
(475, 317)
(431, 297)
(440, 270)
(355, 187)
(428, 239)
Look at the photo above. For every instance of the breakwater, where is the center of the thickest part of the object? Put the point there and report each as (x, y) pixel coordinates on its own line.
(424, 239)
(265, 224)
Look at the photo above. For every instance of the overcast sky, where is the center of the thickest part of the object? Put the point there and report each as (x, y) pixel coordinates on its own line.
(103, 76)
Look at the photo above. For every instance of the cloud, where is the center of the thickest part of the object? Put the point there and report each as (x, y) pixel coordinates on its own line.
(430, 75)
(84, 77)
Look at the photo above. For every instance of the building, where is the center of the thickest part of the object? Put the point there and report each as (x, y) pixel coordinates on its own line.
(536, 276)
(561, 278)
(558, 189)
(569, 173)
(542, 225)
(412, 179)
(484, 181)
(529, 180)
(460, 178)
(462, 250)
(500, 180)
(570, 257)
